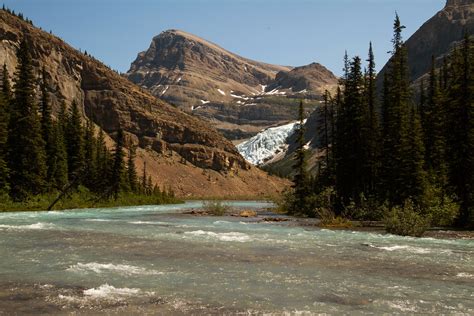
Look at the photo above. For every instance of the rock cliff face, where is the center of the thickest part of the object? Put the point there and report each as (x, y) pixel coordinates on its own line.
(313, 77)
(184, 69)
(237, 95)
(181, 151)
(438, 36)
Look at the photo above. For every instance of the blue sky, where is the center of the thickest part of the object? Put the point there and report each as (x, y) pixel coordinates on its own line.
(286, 32)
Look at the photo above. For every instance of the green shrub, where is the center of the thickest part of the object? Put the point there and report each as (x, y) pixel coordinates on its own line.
(406, 220)
(329, 219)
(216, 208)
(368, 209)
(442, 208)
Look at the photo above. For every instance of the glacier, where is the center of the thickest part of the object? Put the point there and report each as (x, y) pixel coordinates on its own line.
(266, 144)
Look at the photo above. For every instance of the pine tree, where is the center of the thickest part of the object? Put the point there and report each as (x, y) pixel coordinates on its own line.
(461, 130)
(47, 130)
(149, 186)
(4, 171)
(132, 171)
(59, 174)
(26, 146)
(118, 166)
(90, 155)
(300, 180)
(434, 130)
(6, 88)
(144, 179)
(398, 133)
(103, 164)
(74, 143)
(352, 140)
(373, 132)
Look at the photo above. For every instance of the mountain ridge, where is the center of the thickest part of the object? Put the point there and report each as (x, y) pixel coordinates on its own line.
(237, 95)
(172, 143)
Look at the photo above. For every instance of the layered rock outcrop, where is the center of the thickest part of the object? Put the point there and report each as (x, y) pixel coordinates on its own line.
(173, 143)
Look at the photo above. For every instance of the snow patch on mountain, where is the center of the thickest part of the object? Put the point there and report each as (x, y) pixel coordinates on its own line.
(266, 144)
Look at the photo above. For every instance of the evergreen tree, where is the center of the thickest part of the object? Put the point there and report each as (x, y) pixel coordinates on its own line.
(400, 126)
(47, 130)
(149, 186)
(300, 180)
(26, 146)
(434, 130)
(6, 88)
(74, 143)
(90, 155)
(103, 164)
(4, 172)
(59, 173)
(373, 132)
(118, 166)
(352, 127)
(144, 179)
(132, 171)
(461, 130)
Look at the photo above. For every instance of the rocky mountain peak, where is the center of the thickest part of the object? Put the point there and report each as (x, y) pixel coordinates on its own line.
(456, 3)
(180, 151)
(438, 36)
(236, 94)
(183, 68)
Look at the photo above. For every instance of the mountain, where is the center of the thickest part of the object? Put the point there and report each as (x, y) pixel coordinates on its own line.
(237, 95)
(437, 36)
(184, 69)
(313, 77)
(180, 151)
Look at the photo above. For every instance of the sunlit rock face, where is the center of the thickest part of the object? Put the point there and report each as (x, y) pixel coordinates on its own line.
(438, 36)
(180, 150)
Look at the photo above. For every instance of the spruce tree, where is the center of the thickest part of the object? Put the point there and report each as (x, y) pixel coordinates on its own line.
(400, 126)
(435, 133)
(144, 179)
(373, 132)
(26, 146)
(103, 164)
(300, 180)
(132, 171)
(90, 155)
(6, 88)
(118, 165)
(352, 142)
(59, 174)
(4, 172)
(461, 130)
(47, 130)
(74, 143)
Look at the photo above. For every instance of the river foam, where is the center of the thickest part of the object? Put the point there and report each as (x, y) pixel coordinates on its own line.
(123, 269)
(231, 236)
(36, 226)
(417, 250)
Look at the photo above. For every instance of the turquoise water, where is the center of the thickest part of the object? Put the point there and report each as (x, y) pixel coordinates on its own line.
(155, 259)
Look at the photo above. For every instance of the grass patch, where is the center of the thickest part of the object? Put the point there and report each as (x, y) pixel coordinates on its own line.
(82, 198)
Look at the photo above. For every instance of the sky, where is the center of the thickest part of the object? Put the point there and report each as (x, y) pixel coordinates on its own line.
(284, 32)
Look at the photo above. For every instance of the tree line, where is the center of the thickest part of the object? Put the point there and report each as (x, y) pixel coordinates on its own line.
(393, 149)
(40, 154)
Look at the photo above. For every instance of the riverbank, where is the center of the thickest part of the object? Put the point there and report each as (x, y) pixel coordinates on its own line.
(84, 200)
(269, 216)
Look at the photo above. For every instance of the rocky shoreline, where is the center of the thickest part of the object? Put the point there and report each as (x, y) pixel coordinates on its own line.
(268, 216)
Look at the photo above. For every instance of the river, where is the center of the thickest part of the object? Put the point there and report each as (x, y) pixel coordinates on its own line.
(158, 260)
